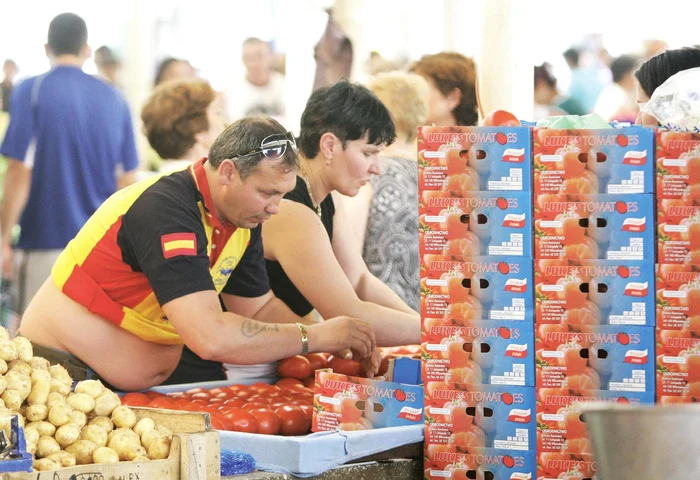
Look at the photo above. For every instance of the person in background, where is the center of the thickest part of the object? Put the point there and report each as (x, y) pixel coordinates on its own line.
(9, 72)
(70, 145)
(548, 100)
(108, 65)
(168, 69)
(383, 215)
(181, 120)
(452, 80)
(175, 260)
(617, 101)
(311, 253)
(586, 84)
(261, 91)
(658, 69)
(171, 68)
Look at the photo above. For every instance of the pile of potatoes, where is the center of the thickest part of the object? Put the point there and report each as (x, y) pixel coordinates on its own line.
(64, 428)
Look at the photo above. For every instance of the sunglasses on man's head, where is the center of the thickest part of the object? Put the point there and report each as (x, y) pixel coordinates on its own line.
(274, 146)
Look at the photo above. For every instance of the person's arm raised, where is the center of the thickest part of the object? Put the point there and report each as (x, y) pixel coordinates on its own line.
(297, 239)
(230, 338)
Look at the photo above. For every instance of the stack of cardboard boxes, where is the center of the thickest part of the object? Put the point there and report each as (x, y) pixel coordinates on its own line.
(594, 284)
(678, 272)
(477, 302)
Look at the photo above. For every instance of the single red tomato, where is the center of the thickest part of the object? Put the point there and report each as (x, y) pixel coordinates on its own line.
(288, 382)
(308, 410)
(254, 405)
(136, 399)
(317, 361)
(213, 400)
(202, 395)
(237, 388)
(500, 118)
(345, 367)
(264, 388)
(294, 367)
(242, 421)
(244, 394)
(293, 420)
(235, 402)
(268, 421)
(219, 421)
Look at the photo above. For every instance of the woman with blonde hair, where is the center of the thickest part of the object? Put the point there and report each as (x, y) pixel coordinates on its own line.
(383, 215)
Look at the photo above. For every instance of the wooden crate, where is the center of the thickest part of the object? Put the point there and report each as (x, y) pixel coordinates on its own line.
(195, 454)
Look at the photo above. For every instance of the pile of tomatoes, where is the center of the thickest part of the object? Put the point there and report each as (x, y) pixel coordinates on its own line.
(300, 369)
(285, 408)
(257, 408)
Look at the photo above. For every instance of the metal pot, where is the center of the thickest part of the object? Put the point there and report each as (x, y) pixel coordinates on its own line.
(633, 442)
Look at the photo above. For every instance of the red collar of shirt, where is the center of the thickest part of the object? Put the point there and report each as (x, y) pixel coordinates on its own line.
(200, 178)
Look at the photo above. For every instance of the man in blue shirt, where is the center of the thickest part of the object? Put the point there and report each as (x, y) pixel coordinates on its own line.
(70, 145)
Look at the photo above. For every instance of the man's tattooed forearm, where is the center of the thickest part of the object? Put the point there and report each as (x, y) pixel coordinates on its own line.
(251, 328)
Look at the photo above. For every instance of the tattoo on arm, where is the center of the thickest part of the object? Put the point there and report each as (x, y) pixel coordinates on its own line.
(251, 328)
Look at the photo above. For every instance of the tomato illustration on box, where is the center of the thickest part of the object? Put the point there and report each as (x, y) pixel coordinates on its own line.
(678, 232)
(677, 297)
(601, 357)
(490, 352)
(499, 288)
(475, 223)
(583, 227)
(353, 403)
(595, 292)
(678, 365)
(480, 416)
(568, 466)
(456, 159)
(560, 425)
(607, 161)
(480, 463)
(678, 165)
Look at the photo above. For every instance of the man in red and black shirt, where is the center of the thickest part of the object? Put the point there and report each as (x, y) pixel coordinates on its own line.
(152, 267)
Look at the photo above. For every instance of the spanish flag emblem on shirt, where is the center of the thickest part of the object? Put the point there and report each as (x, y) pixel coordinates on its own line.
(177, 244)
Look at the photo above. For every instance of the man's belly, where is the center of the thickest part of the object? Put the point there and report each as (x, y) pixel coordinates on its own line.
(119, 357)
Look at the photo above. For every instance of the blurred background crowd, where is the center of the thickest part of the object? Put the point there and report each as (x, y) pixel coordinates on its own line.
(439, 62)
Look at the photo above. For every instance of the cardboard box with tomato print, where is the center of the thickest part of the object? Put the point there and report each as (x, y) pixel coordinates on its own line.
(678, 297)
(498, 288)
(354, 403)
(475, 416)
(475, 223)
(561, 428)
(594, 292)
(678, 365)
(492, 352)
(456, 159)
(582, 227)
(444, 461)
(601, 357)
(678, 165)
(678, 232)
(566, 466)
(605, 161)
